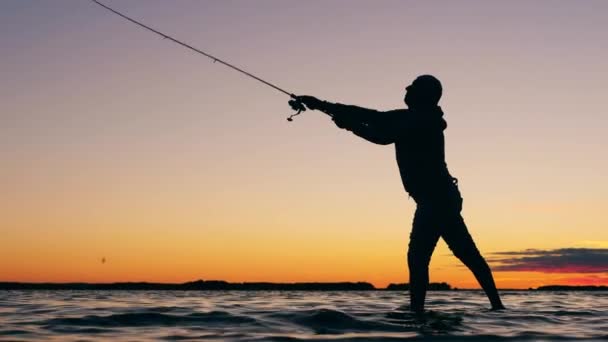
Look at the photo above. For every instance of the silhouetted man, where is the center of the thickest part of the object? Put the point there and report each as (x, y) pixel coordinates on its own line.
(417, 133)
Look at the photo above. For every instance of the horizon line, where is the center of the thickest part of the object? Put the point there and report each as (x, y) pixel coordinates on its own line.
(259, 285)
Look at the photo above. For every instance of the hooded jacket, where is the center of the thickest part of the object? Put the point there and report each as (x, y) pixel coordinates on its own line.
(419, 144)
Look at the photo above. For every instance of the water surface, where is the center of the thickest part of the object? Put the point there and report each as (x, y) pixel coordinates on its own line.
(292, 315)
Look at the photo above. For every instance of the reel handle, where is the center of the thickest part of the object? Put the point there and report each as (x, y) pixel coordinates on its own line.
(296, 105)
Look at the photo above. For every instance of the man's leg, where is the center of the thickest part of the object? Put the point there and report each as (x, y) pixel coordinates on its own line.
(423, 238)
(457, 237)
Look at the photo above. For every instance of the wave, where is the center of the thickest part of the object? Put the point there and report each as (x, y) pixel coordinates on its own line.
(330, 321)
(139, 319)
(294, 316)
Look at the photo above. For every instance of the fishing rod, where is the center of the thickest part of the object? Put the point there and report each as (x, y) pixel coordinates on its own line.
(295, 103)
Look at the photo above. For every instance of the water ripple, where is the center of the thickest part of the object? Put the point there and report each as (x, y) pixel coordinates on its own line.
(294, 316)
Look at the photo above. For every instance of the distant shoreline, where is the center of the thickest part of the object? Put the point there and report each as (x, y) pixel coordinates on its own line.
(220, 285)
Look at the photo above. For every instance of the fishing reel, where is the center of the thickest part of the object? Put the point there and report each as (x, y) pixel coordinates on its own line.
(296, 105)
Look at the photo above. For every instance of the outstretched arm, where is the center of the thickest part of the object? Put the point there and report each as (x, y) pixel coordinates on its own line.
(372, 125)
(355, 113)
(375, 133)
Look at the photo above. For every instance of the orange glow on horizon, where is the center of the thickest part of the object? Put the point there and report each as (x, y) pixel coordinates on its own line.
(116, 144)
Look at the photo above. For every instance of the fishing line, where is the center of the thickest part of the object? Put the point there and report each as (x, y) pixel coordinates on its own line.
(294, 102)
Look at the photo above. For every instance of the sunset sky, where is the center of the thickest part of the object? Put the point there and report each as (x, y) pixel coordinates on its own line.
(118, 144)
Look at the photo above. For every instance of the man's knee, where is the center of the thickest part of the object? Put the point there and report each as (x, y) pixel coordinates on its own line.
(470, 256)
(461, 243)
(418, 260)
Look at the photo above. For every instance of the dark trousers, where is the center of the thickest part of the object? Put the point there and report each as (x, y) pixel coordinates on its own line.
(439, 216)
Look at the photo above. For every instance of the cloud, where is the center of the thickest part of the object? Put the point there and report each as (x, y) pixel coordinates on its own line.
(563, 260)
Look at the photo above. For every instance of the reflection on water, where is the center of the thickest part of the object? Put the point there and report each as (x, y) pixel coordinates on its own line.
(290, 315)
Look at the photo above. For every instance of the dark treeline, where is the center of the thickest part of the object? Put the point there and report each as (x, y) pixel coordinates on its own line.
(210, 285)
(220, 285)
(431, 287)
(203, 285)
